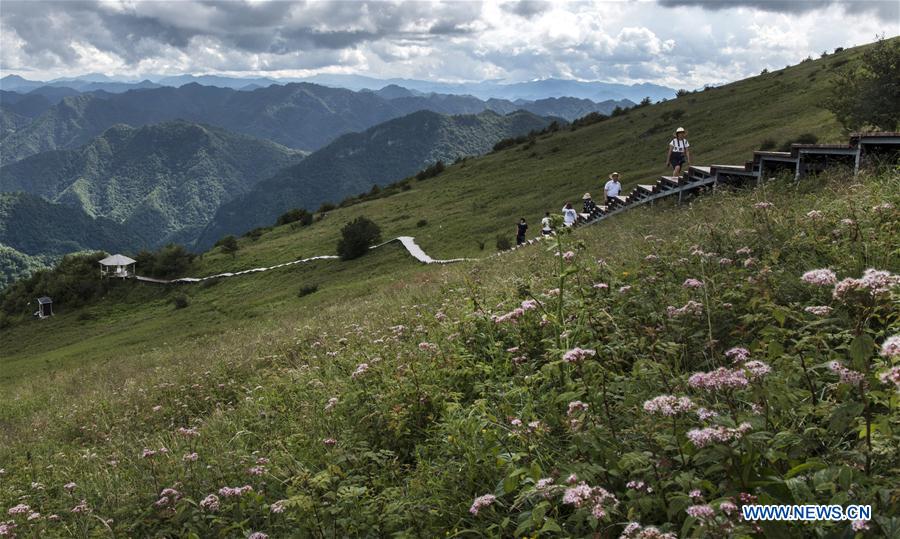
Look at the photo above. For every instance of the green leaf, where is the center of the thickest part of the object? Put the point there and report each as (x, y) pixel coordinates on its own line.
(843, 415)
(510, 483)
(861, 350)
(551, 526)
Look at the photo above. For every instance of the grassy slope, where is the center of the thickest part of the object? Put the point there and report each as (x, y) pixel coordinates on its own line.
(470, 202)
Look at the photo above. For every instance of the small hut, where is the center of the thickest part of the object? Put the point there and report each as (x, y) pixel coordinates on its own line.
(45, 307)
(117, 266)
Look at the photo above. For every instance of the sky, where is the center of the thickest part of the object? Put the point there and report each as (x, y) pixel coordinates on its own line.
(677, 43)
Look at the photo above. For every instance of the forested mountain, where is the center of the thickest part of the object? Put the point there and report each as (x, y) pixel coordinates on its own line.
(303, 116)
(355, 162)
(163, 182)
(35, 232)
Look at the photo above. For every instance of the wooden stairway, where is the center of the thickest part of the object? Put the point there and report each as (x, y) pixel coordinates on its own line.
(798, 159)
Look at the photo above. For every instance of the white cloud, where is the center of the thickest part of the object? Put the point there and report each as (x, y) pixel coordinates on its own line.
(680, 43)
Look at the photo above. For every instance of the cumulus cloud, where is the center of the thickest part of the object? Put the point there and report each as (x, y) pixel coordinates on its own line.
(514, 40)
(887, 10)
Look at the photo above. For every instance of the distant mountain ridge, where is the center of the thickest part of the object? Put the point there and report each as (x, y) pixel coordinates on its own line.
(354, 162)
(162, 182)
(298, 115)
(531, 90)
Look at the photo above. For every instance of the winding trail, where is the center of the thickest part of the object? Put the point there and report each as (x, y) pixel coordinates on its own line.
(408, 243)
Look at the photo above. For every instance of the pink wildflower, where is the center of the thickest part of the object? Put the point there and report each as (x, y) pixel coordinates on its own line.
(818, 310)
(235, 492)
(19, 509)
(692, 308)
(256, 470)
(890, 348)
(696, 494)
(257, 535)
(891, 376)
(706, 436)
(157, 408)
(703, 414)
(34, 516)
(636, 531)
(278, 507)
(147, 453)
(188, 433)
(190, 457)
(725, 261)
(577, 406)
(763, 206)
(847, 376)
(70, 486)
(210, 503)
(728, 508)
(427, 347)
(859, 525)
(544, 483)
(757, 369)
(820, 277)
(737, 354)
(568, 256)
(572, 479)
(439, 316)
(360, 370)
(651, 258)
(601, 286)
(743, 251)
(529, 304)
(329, 442)
(701, 511)
(332, 402)
(481, 502)
(719, 379)
(8, 529)
(577, 355)
(82, 507)
(814, 215)
(668, 405)
(624, 289)
(692, 283)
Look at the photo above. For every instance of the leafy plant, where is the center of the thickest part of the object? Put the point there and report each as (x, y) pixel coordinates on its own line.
(356, 238)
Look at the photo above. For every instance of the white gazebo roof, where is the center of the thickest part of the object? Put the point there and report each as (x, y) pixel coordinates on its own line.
(117, 260)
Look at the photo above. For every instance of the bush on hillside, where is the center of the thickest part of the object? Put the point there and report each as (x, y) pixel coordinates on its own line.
(588, 119)
(805, 138)
(307, 289)
(229, 245)
(430, 172)
(868, 95)
(300, 215)
(502, 243)
(356, 238)
(326, 207)
(180, 301)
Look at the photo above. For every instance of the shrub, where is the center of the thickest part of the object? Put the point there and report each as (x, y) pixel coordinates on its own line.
(646, 101)
(503, 243)
(167, 261)
(257, 232)
(805, 138)
(294, 215)
(229, 245)
(509, 143)
(764, 71)
(180, 301)
(431, 171)
(307, 289)
(838, 49)
(421, 223)
(682, 92)
(589, 119)
(326, 207)
(356, 238)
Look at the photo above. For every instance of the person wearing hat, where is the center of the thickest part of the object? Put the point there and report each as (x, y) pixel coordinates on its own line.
(679, 152)
(588, 204)
(612, 187)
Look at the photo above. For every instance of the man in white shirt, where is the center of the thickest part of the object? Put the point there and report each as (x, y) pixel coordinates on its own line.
(612, 187)
(679, 154)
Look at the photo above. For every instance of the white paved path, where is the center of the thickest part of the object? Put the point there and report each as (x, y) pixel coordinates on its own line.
(408, 242)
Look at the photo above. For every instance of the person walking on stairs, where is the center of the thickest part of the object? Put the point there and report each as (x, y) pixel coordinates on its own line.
(569, 214)
(546, 225)
(679, 155)
(612, 187)
(588, 205)
(521, 229)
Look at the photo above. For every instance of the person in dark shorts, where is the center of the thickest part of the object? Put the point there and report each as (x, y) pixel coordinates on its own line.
(521, 229)
(679, 155)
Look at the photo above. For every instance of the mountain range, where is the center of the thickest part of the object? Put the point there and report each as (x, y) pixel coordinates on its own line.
(161, 182)
(498, 89)
(298, 115)
(354, 162)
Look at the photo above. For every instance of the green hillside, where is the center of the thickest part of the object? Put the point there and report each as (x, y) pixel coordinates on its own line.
(354, 162)
(15, 265)
(378, 397)
(162, 182)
